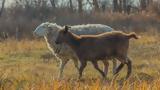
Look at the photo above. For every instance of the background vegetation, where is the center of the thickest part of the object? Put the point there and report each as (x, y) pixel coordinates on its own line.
(21, 17)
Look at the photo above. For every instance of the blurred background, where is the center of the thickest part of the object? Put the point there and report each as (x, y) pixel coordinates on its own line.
(18, 18)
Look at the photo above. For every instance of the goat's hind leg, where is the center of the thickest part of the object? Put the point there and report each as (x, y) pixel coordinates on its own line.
(82, 66)
(122, 60)
(129, 66)
(97, 68)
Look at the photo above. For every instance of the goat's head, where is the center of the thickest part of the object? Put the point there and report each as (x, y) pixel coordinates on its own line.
(62, 35)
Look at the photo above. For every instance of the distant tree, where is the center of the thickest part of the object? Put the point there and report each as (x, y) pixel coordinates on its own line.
(96, 6)
(143, 4)
(120, 6)
(80, 6)
(53, 3)
(103, 7)
(2, 8)
(71, 5)
(115, 5)
(125, 6)
(128, 9)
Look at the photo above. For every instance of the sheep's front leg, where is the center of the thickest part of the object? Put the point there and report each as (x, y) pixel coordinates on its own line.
(62, 65)
(97, 68)
(82, 66)
(58, 49)
(76, 63)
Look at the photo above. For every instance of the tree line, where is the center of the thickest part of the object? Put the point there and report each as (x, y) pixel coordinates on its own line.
(21, 18)
(121, 6)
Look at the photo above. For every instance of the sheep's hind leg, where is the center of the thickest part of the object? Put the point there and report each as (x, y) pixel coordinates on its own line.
(62, 65)
(97, 68)
(82, 66)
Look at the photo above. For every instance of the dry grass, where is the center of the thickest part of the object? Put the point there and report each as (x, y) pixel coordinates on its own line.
(22, 68)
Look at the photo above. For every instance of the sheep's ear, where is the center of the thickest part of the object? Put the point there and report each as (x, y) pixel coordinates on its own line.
(66, 28)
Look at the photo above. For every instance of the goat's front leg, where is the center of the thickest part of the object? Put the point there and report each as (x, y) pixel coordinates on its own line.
(62, 65)
(114, 61)
(106, 65)
(82, 66)
(97, 68)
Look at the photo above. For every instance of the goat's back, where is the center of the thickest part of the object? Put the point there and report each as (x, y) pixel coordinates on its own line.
(102, 45)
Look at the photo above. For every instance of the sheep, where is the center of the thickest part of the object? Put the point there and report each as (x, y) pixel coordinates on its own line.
(98, 47)
(50, 31)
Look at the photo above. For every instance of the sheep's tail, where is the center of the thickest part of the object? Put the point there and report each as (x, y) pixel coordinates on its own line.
(133, 35)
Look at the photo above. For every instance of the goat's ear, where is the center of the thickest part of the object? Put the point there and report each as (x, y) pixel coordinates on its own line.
(66, 28)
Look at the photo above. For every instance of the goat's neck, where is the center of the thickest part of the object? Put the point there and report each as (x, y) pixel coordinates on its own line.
(73, 41)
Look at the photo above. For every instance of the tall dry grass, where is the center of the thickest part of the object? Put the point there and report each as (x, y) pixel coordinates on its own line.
(22, 68)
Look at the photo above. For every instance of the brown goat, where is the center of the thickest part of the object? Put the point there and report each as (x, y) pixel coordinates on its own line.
(98, 47)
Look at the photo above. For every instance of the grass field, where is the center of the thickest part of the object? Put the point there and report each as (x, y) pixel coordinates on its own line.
(22, 68)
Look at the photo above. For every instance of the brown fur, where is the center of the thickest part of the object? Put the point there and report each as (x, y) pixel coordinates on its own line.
(99, 47)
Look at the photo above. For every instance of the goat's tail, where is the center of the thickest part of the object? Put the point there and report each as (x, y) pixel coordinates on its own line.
(133, 35)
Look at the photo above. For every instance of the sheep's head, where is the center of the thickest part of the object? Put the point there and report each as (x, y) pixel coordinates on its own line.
(45, 28)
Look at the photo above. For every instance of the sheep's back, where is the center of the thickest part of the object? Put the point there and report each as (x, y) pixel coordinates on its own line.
(90, 29)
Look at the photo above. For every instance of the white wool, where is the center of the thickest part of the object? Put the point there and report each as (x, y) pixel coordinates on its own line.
(50, 32)
(90, 29)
